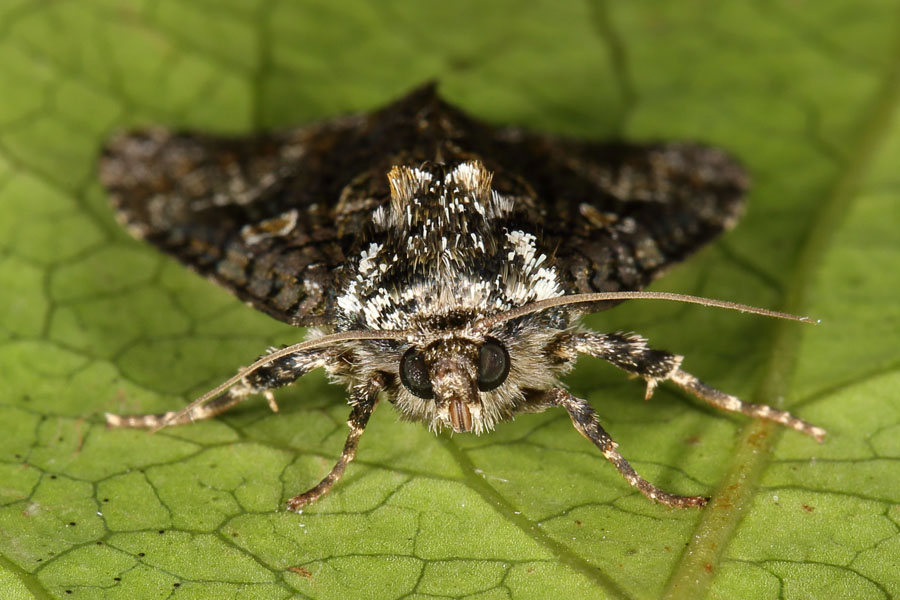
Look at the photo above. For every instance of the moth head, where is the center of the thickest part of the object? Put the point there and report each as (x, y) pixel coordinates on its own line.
(455, 374)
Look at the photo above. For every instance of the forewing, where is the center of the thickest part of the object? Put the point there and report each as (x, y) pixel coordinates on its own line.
(273, 217)
(619, 214)
(254, 214)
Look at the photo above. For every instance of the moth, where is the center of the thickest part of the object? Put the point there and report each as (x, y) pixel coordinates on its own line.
(441, 263)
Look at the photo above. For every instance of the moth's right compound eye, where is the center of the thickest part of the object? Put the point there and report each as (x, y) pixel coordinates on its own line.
(414, 374)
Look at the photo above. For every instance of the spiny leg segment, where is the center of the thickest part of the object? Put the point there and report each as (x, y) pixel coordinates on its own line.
(585, 421)
(724, 401)
(363, 398)
(155, 421)
(282, 371)
(631, 353)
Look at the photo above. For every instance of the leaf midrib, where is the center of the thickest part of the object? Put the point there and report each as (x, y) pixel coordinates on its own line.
(692, 577)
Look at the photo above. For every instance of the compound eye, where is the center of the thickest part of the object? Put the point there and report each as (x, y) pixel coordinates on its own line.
(493, 365)
(414, 374)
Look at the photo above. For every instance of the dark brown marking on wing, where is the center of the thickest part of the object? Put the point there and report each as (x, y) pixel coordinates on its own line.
(274, 217)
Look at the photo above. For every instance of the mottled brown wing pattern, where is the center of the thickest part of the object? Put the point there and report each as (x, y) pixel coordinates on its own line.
(619, 214)
(273, 217)
(249, 213)
(270, 217)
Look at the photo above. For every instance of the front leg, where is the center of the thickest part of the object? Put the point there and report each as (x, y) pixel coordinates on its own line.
(363, 399)
(631, 353)
(585, 421)
(280, 372)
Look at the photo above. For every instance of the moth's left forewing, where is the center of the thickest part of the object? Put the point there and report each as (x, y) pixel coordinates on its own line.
(255, 213)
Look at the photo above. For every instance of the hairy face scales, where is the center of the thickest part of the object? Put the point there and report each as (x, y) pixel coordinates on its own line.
(453, 372)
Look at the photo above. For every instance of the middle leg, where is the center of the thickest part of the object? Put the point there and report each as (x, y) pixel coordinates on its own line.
(363, 400)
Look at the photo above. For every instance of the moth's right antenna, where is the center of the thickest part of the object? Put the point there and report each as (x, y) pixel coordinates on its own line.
(515, 313)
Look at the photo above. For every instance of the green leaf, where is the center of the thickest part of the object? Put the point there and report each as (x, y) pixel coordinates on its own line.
(93, 321)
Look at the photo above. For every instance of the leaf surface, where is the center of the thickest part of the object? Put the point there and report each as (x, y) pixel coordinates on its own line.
(94, 321)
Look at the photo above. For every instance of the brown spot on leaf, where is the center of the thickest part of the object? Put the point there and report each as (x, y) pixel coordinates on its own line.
(301, 571)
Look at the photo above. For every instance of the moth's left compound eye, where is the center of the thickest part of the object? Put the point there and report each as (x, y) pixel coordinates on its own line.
(493, 365)
(414, 374)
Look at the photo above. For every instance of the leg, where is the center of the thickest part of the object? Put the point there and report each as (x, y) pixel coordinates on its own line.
(630, 352)
(280, 372)
(206, 411)
(720, 399)
(363, 400)
(585, 421)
